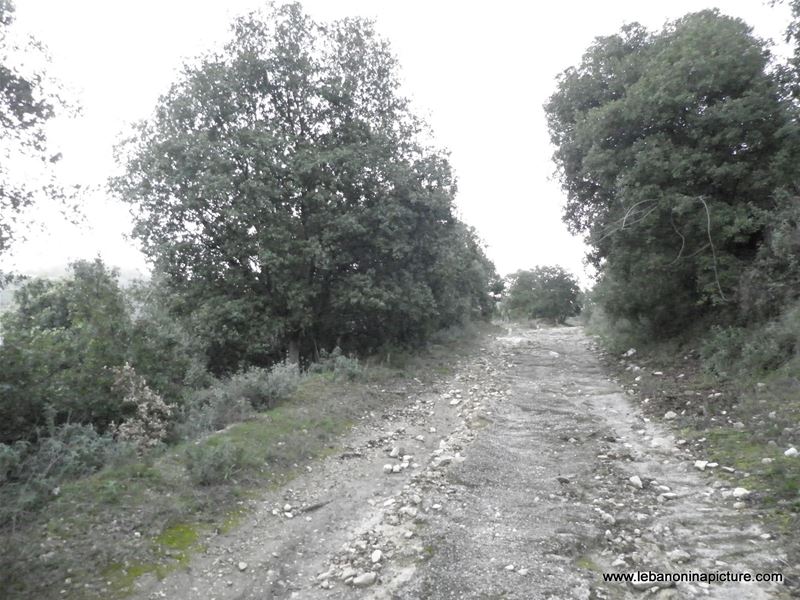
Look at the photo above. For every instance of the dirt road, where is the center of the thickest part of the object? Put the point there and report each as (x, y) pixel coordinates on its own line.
(525, 475)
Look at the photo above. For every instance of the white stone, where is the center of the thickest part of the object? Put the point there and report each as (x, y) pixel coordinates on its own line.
(365, 579)
(347, 573)
(791, 452)
(242, 566)
(636, 481)
(387, 468)
(376, 556)
(409, 511)
(679, 556)
(396, 468)
(669, 415)
(395, 452)
(740, 492)
(509, 567)
(700, 464)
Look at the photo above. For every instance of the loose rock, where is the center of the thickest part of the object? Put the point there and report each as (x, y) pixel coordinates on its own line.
(365, 579)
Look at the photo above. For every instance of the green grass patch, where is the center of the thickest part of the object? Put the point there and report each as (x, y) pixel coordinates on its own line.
(586, 563)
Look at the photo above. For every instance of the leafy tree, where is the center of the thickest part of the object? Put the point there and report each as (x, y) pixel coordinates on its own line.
(672, 148)
(58, 348)
(543, 293)
(26, 106)
(283, 191)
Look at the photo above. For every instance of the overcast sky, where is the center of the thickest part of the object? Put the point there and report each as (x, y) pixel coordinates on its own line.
(479, 71)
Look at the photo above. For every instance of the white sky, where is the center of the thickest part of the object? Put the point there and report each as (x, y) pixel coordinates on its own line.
(479, 71)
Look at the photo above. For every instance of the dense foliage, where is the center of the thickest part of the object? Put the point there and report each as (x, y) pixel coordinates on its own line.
(57, 349)
(678, 153)
(284, 193)
(543, 293)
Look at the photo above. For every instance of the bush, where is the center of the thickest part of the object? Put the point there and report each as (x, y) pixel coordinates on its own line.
(338, 364)
(71, 450)
(755, 350)
(147, 427)
(210, 410)
(264, 388)
(58, 343)
(31, 474)
(234, 399)
(346, 367)
(213, 463)
(10, 458)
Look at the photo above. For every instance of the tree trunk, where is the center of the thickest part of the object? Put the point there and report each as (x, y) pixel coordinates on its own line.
(293, 353)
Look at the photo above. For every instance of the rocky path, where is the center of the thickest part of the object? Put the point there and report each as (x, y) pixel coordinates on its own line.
(526, 475)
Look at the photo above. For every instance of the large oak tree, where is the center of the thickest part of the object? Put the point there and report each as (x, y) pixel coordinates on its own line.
(286, 192)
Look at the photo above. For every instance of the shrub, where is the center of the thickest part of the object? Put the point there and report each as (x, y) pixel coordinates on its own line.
(70, 450)
(723, 349)
(212, 463)
(347, 367)
(210, 410)
(58, 343)
(31, 474)
(148, 425)
(730, 350)
(234, 399)
(264, 388)
(10, 458)
(338, 364)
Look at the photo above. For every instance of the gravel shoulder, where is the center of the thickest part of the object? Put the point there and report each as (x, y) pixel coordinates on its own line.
(527, 474)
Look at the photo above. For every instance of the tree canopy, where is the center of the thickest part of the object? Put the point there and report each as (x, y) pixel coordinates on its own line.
(673, 149)
(26, 106)
(543, 293)
(284, 190)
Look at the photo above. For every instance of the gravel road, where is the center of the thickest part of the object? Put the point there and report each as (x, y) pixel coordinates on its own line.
(527, 474)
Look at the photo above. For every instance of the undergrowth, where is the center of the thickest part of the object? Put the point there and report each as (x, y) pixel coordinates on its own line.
(145, 514)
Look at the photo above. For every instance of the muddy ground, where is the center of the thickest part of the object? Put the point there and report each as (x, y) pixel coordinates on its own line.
(527, 474)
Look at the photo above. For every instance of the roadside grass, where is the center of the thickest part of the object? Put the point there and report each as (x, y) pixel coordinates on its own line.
(146, 518)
